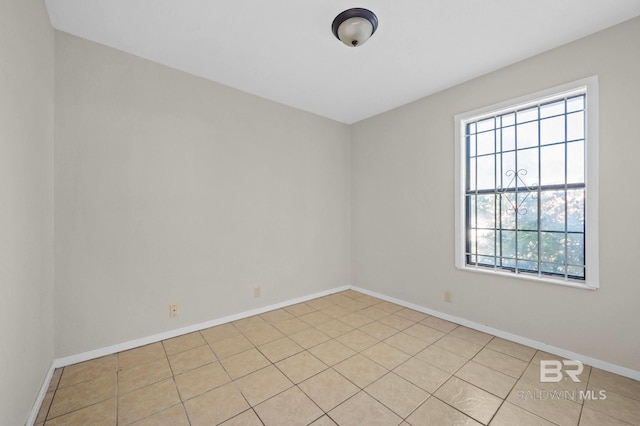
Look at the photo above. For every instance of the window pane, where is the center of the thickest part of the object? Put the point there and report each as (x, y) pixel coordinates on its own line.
(487, 124)
(552, 247)
(471, 203)
(471, 178)
(527, 134)
(472, 235)
(575, 162)
(471, 128)
(528, 167)
(575, 209)
(552, 211)
(551, 109)
(528, 245)
(552, 268)
(486, 260)
(508, 244)
(486, 142)
(575, 104)
(507, 210)
(575, 126)
(486, 172)
(486, 211)
(508, 138)
(527, 215)
(576, 271)
(552, 130)
(471, 145)
(486, 243)
(508, 164)
(575, 249)
(552, 165)
(528, 114)
(509, 119)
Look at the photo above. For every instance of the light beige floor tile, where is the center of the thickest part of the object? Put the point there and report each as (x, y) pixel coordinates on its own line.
(615, 383)
(141, 355)
(532, 375)
(353, 305)
(369, 300)
(424, 333)
(219, 332)
(378, 330)
(471, 400)
(215, 406)
(422, 374)
(500, 362)
(83, 394)
(224, 348)
(472, 335)
(374, 313)
(244, 363)
(617, 406)
(183, 343)
(362, 409)
(397, 322)
(533, 399)
(591, 417)
(249, 323)
(458, 346)
(319, 303)
(88, 370)
(486, 378)
(412, 315)
(246, 418)
(143, 375)
(406, 343)
(280, 349)
(360, 370)
(512, 415)
(336, 311)
(328, 389)
(315, 318)
(291, 326)
(389, 307)
(513, 349)
(100, 414)
(386, 355)
(172, 416)
(146, 401)
(55, 379)
(191, 359)
(443, 359)
(263, 384)
(201, 380)
(323, 421)
(276, 316)
(435, 412)
(357, 340)
(309, 337)
(299, 309)
(332, 352)
(44, 407)
(397, 394)
(263, 334)
(301, 366)
(439, 324)
(356, 320)
(334, 328)
(292, 405)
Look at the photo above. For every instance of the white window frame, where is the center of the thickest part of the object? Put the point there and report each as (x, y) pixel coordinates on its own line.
(590, 87)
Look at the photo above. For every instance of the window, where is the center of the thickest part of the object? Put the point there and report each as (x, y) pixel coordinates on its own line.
(526, 187)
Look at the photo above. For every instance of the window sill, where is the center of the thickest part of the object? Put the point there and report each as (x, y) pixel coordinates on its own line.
(584, 285)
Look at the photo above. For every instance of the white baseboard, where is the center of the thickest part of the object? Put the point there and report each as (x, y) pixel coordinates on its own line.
(38, 402)
(566, 354)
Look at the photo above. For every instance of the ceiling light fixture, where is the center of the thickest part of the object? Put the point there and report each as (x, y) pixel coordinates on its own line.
(354, 26)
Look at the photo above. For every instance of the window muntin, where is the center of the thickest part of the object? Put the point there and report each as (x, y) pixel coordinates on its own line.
(522, 206)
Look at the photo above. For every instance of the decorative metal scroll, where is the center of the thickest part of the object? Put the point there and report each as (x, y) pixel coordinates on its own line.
(517, 185)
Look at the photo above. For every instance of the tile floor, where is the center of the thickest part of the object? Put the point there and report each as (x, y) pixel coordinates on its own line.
(345, 359)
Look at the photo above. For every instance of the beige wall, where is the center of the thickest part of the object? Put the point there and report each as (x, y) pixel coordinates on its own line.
(403, 205)
(173, 189)
(26, 190)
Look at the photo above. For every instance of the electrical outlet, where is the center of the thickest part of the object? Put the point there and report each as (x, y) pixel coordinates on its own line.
(173, 310)
(257, 291)
(448, 296)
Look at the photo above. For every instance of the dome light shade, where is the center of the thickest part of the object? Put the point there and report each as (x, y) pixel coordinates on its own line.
(354, 26)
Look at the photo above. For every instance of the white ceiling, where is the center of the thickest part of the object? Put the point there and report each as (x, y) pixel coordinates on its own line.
(284, 50)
